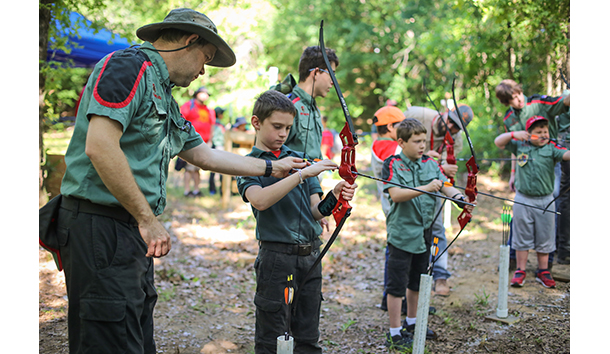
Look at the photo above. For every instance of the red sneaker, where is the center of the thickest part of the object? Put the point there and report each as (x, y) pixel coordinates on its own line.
(544, 277)
(518, 278)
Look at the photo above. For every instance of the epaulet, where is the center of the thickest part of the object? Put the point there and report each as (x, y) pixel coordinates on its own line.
(557, 146)
(119, 77)
(508, 114)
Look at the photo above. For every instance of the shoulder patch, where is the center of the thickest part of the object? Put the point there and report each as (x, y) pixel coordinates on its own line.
(119, 78)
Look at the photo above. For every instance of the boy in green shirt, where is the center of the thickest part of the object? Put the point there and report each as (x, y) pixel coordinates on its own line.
(533, 229)
(287, 212)
(409, 224)
(314, 81)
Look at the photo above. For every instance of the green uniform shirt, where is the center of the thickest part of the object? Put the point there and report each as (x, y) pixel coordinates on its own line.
(537, 105)
(290, 219)
(307, 126)
(132, 87)
(537, 177)
(407, 221)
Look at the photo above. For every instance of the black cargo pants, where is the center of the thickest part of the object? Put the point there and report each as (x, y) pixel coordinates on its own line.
(272, 268)
(109, 279)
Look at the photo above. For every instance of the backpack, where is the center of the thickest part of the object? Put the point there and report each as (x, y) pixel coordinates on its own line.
(286, 85)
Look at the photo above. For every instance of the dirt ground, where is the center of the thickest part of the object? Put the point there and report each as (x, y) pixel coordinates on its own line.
(206, 286)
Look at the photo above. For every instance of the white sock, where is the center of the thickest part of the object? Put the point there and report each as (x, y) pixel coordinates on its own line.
(395, 331)
(411, 321)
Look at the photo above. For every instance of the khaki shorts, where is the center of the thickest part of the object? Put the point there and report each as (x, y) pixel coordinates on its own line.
(191, 168)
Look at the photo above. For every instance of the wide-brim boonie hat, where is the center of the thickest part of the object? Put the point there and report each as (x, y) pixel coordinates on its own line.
(466, 113)
(193, 22)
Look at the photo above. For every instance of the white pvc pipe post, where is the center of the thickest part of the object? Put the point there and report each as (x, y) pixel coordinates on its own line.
(502, 310)
(285, 346)
(423, 307)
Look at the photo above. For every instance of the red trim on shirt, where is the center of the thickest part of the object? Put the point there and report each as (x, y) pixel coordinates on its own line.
(557, 146)
(277, 153)
(296, 100)
(546, 102)
(126, 102)
(391, 169)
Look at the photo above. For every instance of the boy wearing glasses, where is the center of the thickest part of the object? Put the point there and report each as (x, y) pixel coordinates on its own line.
(314, 81)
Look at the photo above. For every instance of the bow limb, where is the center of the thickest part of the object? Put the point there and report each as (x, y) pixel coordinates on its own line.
(347, 170)
(349, 139)
(448, 141)
(471, 166)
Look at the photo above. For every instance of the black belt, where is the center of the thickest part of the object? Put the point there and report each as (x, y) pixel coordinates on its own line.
(78, 205)
(300, 249)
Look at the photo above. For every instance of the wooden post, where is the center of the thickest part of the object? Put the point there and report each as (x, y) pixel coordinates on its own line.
(245, 139)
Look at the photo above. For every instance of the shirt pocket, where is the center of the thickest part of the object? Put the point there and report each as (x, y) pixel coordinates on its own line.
(546, 153)
(180, 130)
(426, 177)
(152, 125)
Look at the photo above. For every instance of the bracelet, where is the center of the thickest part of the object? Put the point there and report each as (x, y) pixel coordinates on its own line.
(268, 169)
(512, 135)
(301, 177)
(512, 171)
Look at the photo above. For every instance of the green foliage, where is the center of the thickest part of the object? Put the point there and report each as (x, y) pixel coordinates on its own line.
(482, 300)
(386, 50)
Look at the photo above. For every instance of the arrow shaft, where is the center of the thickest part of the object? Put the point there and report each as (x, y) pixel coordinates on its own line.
(413, 189)
(510, 200)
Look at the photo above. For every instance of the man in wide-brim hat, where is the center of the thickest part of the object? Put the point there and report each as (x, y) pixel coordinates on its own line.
(198, 44)
(128, 129)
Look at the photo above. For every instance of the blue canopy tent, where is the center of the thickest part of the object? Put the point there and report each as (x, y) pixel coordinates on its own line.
(87, 46)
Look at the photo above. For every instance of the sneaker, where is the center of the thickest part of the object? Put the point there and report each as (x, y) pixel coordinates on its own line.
(544, 277)
(410, 330)
(518, 278)
(401, 341)
(196, 193)
(188, 194)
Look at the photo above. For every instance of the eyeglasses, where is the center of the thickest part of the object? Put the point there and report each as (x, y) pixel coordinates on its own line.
(322, 70)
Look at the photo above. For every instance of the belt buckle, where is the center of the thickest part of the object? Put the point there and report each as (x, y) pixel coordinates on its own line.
(304, 249)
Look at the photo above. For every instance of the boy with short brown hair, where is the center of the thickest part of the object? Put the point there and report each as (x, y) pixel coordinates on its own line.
(287, 212)
(408, 225)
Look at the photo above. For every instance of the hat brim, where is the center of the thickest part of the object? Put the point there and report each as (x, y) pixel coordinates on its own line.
(454, 118)
(224, 56)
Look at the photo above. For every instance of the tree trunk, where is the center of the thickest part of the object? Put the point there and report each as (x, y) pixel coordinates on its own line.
(44, 19)
(510, 54)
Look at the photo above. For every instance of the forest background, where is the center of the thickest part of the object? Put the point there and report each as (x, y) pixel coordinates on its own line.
(386, 49)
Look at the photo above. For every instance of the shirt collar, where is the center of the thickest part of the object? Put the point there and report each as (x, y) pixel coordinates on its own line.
(158, 63)
(417, 163)
(306, 97)
(258, 153)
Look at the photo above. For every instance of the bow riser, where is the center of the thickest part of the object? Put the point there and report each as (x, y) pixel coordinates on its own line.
(450, 152)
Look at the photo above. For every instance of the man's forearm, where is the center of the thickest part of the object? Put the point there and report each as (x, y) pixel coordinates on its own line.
(224, 162)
